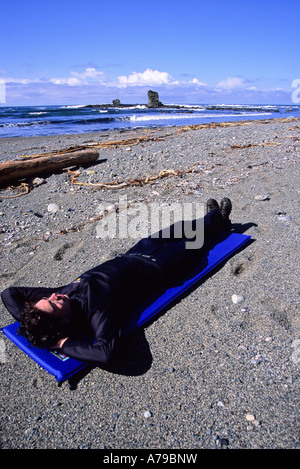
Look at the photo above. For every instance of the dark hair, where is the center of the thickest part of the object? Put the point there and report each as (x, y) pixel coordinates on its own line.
(39, 328)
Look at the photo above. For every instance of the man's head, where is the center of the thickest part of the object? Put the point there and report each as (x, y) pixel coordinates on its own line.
(56, 305)
(47, 321)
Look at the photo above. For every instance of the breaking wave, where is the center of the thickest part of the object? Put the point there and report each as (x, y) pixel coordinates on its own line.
(23, 121)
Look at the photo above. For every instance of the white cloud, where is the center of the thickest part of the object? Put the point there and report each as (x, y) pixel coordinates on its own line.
(195, 81)
(71, 81)
(89, 75)
(231, 83)
(89, 72)
(91, 85)
(20, 81)
(149, 77)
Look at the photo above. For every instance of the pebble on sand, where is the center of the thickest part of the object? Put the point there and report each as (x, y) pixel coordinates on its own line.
(262, 197)
(250, 417)
(236, 299)
(53, 208)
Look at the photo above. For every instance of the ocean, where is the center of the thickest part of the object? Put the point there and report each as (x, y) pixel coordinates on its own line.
(30, 121)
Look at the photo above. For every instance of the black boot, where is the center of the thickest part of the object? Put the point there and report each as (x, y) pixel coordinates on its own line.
(212, 204)
(225, 209)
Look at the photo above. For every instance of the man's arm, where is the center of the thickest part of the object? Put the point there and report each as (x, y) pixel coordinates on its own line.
(97, 349)
(14, 298)
(99, 353)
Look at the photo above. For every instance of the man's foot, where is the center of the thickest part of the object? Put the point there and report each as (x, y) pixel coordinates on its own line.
(225, 209)
(212, 204)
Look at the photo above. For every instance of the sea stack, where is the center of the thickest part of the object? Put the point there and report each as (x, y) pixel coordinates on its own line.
(153, 99)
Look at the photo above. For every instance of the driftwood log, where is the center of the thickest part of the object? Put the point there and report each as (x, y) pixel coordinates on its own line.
(12, 171)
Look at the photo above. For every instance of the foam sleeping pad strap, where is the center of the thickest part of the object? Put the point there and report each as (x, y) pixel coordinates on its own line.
(63, 367)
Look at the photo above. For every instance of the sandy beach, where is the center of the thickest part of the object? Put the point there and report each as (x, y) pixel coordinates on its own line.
(209, 373)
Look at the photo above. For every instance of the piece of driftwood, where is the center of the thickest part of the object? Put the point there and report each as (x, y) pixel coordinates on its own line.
(164, 173)
(12, 171)
(109, 144)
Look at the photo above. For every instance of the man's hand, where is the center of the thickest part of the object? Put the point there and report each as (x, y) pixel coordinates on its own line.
(60, 343)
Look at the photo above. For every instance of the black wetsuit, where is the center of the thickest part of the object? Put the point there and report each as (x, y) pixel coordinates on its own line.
(105, 296)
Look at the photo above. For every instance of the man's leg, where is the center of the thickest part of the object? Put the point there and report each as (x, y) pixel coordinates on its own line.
(206, 229)
(217, 218)
(182, 254)
(172, 253)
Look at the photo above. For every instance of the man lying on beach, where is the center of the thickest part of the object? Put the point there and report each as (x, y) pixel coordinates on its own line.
(86, 318)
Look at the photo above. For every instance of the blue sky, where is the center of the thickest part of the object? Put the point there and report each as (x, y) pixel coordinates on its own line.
(190, 51)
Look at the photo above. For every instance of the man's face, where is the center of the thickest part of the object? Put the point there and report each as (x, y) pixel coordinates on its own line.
(56, 304)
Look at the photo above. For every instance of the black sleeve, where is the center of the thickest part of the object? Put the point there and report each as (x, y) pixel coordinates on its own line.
(14, 298)
(99, 348)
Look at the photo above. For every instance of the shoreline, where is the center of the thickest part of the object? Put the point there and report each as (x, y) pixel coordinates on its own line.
(212, 373)
(21, 144)
(62, 120)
